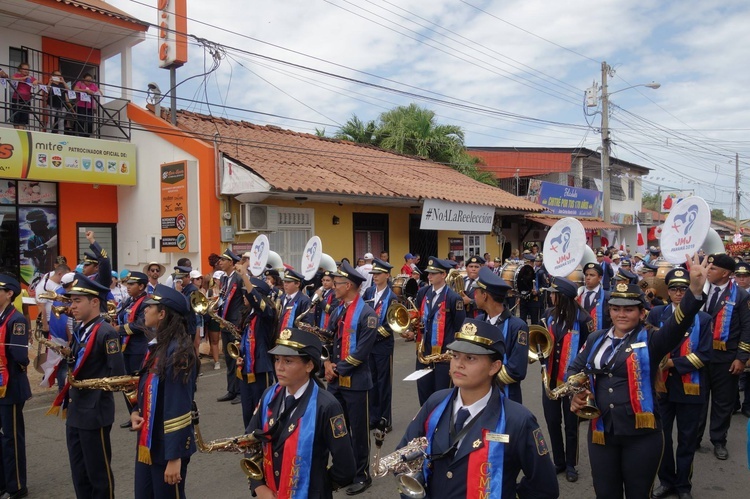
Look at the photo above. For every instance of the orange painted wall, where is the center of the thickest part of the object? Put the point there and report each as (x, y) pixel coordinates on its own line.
(83, 203)
(54, 49)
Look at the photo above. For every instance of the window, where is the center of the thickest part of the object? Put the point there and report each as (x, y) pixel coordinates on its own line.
(73, 71)
(294, 230)
(105, 235)
(631, 189)
(16, 57)
(473, 245)
(370, 233)
(615, 188)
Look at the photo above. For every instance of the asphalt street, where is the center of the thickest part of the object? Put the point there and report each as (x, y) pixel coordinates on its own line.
(219, 474)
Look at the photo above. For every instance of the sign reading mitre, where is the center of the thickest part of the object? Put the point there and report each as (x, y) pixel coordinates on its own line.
(685, 229)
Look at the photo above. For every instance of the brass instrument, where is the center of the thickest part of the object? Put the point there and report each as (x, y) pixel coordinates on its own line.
(313, 302)
(455, 280)
(325, 336)
(125, 383)
(432, 358)
(539, 341)
(52, 296)
(252, 466)
(576, 383)
(63, 351)
(60, 310)
(202, 305)
(402, 319)
(406, 463)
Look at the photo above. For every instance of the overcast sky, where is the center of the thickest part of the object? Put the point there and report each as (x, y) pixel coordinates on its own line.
(510, 73)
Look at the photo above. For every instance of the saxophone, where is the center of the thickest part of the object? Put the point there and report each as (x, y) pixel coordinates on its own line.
(249, 444)
(406, 463)
(433, 357)
(125, 383)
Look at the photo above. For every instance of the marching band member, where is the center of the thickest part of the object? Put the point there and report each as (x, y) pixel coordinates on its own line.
(626, 440)
(473, 264)
(348, 370)
(742, 275)
(742, 278)
(442, 313)
(184, 284)
(230, 310)
(298, 418)
(98, 267)
(569, 325)
(381, 297)
(543, 281)
(478, 439)
(90, 413)
(490, 298)
(593, 297)
(254, 368)
(162, 416)
(681, 388)
(293, 302)
(607, 272)
(727, 304)
(14, 389)
(328, 301)
(132, 328)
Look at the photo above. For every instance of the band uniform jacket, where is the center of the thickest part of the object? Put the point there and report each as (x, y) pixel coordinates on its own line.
(561, 330)
(700, 356)
(303, 303)
(172, 436)
(738, 343)
(607, 321)
(354, 370)
(525, 451)
(93, 409)
(192, 319)
(470, 309)
(326, 305)
(264, 334)
(384, 340)
(135, 330)
(454, 314)
(612, 390)
(231, 297)
(331, 438)
(104, 274)
(516, 347)
(16, 333)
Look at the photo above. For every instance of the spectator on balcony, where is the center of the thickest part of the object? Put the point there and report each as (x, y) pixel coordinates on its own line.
(58, 102)
(86, 104)
(23, 91)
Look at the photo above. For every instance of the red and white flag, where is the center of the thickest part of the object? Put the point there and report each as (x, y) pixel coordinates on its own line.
(641, 243)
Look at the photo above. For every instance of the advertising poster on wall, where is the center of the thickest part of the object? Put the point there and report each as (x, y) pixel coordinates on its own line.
(7, 191)
(37, 193)
(174, 207)
(37, 230)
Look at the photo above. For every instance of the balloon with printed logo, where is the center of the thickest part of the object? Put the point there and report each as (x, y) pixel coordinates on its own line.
(685, 229)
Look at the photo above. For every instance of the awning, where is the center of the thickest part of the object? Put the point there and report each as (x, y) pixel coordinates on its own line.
(588, 223)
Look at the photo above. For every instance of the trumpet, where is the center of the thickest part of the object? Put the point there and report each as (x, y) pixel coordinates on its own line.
(52, 296)
(406, 463)
(252, 466)
(576, 383)
(202, 305)
(125, 383)
(541, 343)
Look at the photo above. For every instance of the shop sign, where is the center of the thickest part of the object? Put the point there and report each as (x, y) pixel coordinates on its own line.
(174, 207)
(64, 158)
(565, 200)
(172, 19)
(444, 215)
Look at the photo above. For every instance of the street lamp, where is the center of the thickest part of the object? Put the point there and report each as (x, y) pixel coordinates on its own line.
(606, 192)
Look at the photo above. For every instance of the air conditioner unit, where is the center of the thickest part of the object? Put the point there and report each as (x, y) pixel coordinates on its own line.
(258, 217)
(646, 217)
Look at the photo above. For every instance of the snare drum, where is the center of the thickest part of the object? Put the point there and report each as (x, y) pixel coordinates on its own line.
(398, 284)
(516, 274)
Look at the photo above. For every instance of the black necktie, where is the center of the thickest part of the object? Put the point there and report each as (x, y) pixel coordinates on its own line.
(589, 294)
(610, 350)
(714, 300)
(461, 416)
(288, 405)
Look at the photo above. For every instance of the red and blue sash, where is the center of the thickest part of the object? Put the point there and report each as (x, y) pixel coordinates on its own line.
(294, 480)
(691, 382)
(4, 371)
(228, 297)
(380, 310)
(437, 332)
(130, 318)
(247, 348)
(596, 312)
(723, 318)
(568, 352)
(287, 320)
(325, 317)
(639, 383)
(485, 463)
(351, 321)
(62, 398)
(148, 410)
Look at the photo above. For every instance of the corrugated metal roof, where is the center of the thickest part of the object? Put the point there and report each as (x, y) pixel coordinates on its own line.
(588, 223)
(504, 164)
(102, 7)
(304, 163)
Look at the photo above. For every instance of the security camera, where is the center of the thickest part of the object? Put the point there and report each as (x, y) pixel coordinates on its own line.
(154, 87)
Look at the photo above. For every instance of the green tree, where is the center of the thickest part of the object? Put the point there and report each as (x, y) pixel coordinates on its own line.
(355, 130)
(718, 215)
(651, 202)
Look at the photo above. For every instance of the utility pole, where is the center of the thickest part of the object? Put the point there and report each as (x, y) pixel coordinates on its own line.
(737, 188)
(606, 201)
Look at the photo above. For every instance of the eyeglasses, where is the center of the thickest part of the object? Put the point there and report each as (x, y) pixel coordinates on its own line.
(678, 290)
(153, 270)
